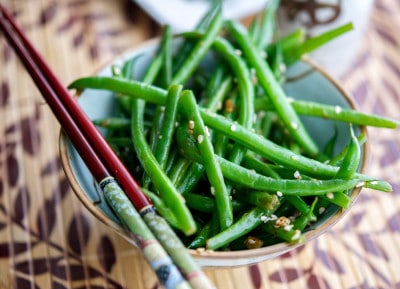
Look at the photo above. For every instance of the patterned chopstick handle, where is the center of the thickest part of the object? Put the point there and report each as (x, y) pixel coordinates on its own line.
(178, 252)
(158, 259)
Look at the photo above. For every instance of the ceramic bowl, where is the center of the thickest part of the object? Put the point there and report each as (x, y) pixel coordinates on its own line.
(306, 81)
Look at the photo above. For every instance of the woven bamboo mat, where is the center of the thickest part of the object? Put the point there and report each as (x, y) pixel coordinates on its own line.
(49, 240)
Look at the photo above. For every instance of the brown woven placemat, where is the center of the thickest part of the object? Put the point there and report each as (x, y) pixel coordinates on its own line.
(49, 240)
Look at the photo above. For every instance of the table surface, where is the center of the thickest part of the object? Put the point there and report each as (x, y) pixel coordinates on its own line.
(49, 240)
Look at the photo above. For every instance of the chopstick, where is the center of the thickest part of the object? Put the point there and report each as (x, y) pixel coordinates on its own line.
(147, 226)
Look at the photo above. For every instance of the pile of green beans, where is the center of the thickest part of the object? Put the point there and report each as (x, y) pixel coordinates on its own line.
(222, 151)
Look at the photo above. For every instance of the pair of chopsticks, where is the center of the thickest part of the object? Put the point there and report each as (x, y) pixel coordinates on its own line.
(172, 263)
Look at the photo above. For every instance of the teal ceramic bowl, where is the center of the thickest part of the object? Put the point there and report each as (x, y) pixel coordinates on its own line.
(307, 81)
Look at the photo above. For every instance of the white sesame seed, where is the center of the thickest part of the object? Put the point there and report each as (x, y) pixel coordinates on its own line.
(282, 67)
(294, 157)
(207, 131)
(279, 194)
(238, 52)
(288, 227)
(374, 182)
(251, 241)
(200, 138)
(296, 235)
(321, 210)
(294, 125)
(360, 184)
(273, 217)
(330, 195)
(338, 109)
(297, 175)
(176, 124)
(264, 219)
(191, 124)
(233, 127)
(212, 190)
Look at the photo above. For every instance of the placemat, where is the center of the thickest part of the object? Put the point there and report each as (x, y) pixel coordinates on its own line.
(49, 240)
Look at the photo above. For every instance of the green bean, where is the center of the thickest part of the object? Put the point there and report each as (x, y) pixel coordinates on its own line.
(273, 89)
(187, 46)
(251, 140)
(338, 159)
(288, 230)
(267, 27)
(162, 209)
(161, 182)
(194, 174)
(163, 145)
(206, 204)
(260, 198)
(210, 229)
(199, 50)
(178, 169)
(315, 42)
(351, 160)
(167, 56)
(113, 123)
(334, 112)
(244, 225)
(213, 171)
(251, 179)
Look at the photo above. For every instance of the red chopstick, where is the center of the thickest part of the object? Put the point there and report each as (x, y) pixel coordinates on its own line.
(100, 159)
(85, 137)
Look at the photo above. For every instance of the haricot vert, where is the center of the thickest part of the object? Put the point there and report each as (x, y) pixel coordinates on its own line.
(217, 144)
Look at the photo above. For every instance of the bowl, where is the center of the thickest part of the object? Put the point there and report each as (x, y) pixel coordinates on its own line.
(306, 81)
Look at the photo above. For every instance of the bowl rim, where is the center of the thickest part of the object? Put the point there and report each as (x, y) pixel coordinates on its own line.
(202, 256)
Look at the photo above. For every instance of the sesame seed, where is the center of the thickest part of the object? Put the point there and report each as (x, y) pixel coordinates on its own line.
(294, 157)
(321, 210)
(294, 125)
(374, 183)
(200, 138)
(330, 195)
(233, 127)
(238, 52)
(251, 241)
(282, 67)
(191, 124)
(273, 217)
(360, 184)
(207, 131)
(338, 109)
(279, 194)
(176, 124)
(296, 235)
(264, 219)
(288, 227)
(297, 175)
(212, 190)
